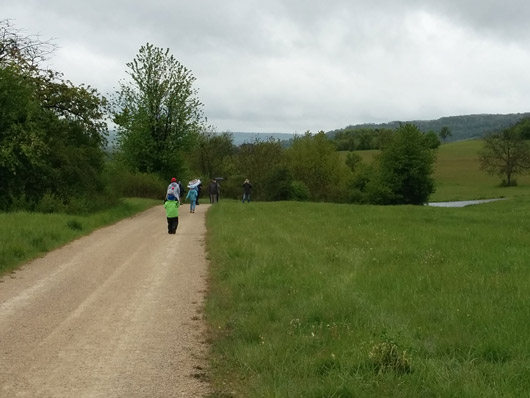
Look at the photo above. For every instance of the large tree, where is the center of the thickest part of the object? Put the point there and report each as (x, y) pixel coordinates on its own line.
(157, 112)
(256, 161)
(405, 167)
(52, 133)
(445, 133)
(314, 161)
(211, 153)
(506, 154)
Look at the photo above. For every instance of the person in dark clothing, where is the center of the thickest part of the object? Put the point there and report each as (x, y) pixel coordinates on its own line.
(199, 189)
(247, 189)
(213, 190)
(181, 190)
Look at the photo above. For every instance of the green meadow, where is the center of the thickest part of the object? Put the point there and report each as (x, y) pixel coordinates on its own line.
(25, 236)
(334, 300)
(458, 176)
(328, 300)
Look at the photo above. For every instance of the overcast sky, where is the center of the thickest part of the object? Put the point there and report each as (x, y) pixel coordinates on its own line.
(297, 65)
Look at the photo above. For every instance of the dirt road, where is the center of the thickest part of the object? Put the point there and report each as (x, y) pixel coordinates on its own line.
(115, 314)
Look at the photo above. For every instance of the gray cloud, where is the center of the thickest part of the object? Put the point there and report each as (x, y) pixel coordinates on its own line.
(296, 65)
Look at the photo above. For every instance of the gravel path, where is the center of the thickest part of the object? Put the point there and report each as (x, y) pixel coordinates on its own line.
(117, 313)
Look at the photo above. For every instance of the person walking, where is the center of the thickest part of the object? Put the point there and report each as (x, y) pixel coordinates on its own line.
(199, 189)
(192, 196)
(182, 191)
(213, 190)
(247, 189)
(172, 215)
(173, 190)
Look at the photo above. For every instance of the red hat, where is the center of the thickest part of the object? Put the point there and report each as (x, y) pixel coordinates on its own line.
(173, 179)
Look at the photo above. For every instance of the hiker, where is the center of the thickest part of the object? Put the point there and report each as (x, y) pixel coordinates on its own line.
(247, 189)
(172, 215)
(173, 190)
(199, 189)
(192, 196)
(213, 190)
(182, 191)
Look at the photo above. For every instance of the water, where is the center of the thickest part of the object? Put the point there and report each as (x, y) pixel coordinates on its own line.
(462, 203)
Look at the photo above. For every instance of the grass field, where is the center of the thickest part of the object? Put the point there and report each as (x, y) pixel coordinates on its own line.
(458, 175)
(25, 236)
(325, 300)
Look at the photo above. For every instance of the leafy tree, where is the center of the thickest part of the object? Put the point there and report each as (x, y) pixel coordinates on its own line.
(255, 161)
(445, 133)
(157, 112)
(382, 137)
(24, 52)
(431, 140)
(211, 154)
(523, 128)
(505, 154)
(353, 160)
(278, 185)
(405, 168)
(314, 161)
(345, 140)
(51, 132)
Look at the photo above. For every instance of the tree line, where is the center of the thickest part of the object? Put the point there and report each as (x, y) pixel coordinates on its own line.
(461, 127)
(51, 131)
(53, 137)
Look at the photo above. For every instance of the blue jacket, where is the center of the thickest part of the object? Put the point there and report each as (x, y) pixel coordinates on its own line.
(192, 194)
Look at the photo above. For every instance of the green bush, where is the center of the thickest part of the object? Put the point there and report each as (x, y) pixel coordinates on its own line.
(299, 191)
(124, 183)
(50, 203)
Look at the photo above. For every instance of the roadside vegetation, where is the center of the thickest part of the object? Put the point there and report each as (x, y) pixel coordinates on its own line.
(329, 300)
(25, 235)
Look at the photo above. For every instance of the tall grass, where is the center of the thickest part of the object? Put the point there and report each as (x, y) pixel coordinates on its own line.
(24, 235)
(324, 300)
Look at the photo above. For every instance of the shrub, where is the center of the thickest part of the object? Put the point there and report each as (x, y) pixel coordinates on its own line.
(124, 183)
(50, 203)
(299, 191)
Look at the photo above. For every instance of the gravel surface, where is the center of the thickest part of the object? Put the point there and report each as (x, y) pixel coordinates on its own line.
(118, 313)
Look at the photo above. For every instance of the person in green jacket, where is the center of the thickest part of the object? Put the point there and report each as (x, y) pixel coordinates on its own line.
(172, 214)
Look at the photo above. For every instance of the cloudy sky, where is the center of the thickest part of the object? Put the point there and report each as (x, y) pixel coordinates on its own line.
(297, 65)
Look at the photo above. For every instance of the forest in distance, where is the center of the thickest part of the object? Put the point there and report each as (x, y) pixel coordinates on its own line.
(462, 127)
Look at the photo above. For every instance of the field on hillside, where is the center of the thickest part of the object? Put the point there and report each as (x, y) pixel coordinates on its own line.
(458, 175)
(326, 300)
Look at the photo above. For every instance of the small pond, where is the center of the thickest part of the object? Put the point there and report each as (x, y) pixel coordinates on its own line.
(462, 203)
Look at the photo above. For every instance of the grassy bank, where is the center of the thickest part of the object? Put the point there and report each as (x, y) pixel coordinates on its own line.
(323, 300)
(25, 236)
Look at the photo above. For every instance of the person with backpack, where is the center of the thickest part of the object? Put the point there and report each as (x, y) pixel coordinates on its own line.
(173, 190)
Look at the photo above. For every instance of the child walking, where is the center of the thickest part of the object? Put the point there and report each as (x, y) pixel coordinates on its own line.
(192, 196)
(172, 214)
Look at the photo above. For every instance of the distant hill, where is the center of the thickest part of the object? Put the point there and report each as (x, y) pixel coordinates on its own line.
(462, 127)
(243, 137)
